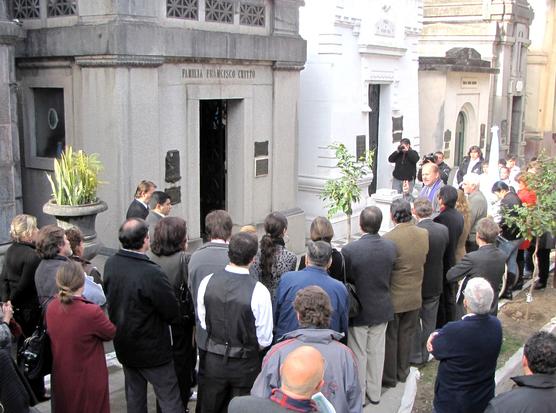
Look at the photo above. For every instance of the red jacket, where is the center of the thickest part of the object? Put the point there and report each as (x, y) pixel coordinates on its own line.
(79, 372)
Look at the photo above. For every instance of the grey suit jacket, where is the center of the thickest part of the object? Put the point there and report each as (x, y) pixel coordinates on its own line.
(152, 219)
(487, 262)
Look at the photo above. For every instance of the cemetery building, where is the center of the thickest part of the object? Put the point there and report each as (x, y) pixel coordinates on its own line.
(198, 96)
(472, 75)
(359, 88)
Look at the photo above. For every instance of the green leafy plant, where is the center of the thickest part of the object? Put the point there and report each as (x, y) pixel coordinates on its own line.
(341, 193)
(535, 220)
(75, 180)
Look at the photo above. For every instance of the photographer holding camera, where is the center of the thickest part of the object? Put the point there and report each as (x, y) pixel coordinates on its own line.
(405, 160)
(438, 159)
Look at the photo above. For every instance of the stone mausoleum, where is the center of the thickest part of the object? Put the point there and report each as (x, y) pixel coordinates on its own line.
(199, 96)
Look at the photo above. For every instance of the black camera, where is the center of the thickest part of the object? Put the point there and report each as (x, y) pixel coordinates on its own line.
(430, 157)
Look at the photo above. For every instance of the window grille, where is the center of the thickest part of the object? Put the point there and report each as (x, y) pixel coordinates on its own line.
(251, 14)
(183, 9)
(221, 11)
(57, 8)
(26, 9)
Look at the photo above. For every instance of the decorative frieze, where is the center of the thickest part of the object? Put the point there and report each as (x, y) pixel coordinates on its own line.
(183, 9)
(26, 9)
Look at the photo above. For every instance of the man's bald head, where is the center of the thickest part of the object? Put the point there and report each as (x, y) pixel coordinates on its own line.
(430, 173)
(132, 234)
(302, 372)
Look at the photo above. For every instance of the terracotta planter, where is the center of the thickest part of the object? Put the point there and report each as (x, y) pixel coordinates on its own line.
(81, 216)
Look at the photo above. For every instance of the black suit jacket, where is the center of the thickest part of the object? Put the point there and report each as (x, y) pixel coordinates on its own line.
(369, 263)
(434, 265)
(142, 305)
(487, 262)
(136, 210)
(453, 220)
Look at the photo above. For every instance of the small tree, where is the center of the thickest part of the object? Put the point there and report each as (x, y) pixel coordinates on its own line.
(535, 220)
(340, 193)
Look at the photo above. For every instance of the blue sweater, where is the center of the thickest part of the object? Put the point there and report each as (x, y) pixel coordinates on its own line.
(291, 282)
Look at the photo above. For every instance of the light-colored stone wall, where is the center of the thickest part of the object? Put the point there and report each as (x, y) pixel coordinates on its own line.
(499, 31)
(351, 45)
(540, 114)
(121, 65)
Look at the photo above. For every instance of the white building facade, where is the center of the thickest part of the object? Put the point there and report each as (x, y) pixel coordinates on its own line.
(359, 88)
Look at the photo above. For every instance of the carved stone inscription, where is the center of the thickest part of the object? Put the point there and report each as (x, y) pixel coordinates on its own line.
(218, 73)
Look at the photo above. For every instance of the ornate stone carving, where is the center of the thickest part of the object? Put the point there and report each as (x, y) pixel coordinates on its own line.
(385, 27)
(26, 9)
(221, 11)
(251, 14)
(183, 9)
(58, 8)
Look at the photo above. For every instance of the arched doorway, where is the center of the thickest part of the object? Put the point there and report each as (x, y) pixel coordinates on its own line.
(461, 126)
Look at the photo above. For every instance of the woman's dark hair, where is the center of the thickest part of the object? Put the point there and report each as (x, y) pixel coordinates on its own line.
(274, 225)
(500, 186)
(69, 278)
(49, 240)
(75, 237)
(401, 211)
(170, 236)
(475, 148)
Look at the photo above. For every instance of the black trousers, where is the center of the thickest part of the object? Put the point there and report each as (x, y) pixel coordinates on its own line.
(222, 380)
(399, 335)
(447, 305)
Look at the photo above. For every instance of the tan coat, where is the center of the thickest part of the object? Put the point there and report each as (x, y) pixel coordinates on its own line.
(412, 244)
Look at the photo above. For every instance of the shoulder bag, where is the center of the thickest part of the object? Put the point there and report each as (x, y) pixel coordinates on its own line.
(354, 303)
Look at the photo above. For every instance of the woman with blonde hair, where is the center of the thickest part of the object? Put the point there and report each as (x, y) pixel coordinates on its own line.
(17, 282)
(463, 207)
(77, 330)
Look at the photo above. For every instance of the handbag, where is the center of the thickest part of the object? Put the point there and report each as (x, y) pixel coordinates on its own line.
(35, 355)
(353, 299)
(185, 300)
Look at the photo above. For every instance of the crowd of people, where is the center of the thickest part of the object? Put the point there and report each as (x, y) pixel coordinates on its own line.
(239, 320)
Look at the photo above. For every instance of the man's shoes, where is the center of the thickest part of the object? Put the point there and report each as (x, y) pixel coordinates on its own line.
(518, 286)
(388, 385)
(527, 275)
(539, 285)
(507, 294)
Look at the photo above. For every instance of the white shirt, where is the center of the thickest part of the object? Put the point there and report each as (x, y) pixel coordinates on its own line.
(261, 305)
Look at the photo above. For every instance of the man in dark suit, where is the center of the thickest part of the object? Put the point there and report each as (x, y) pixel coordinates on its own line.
(142, 304)
(162, 207)
(412, 245)
(139, 207)
(432, 278)
(453, 220)
(467, 351)
(487, 262)
(369, 262)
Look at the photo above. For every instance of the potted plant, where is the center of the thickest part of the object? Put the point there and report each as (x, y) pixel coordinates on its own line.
(535, 220)
(341, 193)
(74, 195)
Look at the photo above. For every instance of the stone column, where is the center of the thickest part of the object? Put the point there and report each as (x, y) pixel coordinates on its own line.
(10, 181)
(382, 199)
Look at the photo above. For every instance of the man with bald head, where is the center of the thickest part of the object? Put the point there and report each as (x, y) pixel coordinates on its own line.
(302, 375)
(431, 185)
(142, 304)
